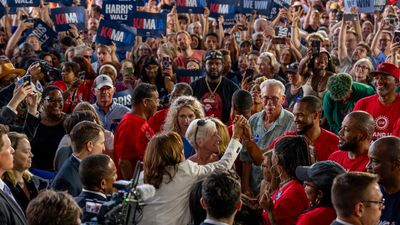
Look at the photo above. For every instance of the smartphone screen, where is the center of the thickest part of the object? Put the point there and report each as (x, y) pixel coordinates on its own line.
(25, 79)
(279, 41)
(349, 17)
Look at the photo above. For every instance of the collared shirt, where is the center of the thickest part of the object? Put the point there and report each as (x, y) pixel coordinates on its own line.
(214, 222)
(95, 192)
(263, 138)
(111, 119)
(342, 222)
(2, 184)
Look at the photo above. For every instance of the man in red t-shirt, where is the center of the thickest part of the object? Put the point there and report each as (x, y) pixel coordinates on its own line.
(184, 42)
(307, 112)
(355, 137)
(133, 132)
(383, 106)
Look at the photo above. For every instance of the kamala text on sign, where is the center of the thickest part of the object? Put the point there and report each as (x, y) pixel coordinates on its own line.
(191, 6)
(116, 35)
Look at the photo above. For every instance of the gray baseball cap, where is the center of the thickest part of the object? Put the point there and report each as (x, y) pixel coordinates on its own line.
(320, 173)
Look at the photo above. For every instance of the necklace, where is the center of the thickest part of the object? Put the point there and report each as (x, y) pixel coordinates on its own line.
(215, 90)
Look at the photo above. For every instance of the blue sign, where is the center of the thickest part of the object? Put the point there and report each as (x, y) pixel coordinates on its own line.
(379, 5)
(283, 3)
(43, 32)
(261, 6)
(273, 11)
(63, 17)
(149, 24)
(225, 8)
(188, 76)
(23, 3)
(190, 6)
(364, 6)
(122, 35)
(282, 31)
(118, 10)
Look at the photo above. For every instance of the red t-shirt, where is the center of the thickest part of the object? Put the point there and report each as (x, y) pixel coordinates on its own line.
(81, 94)
(130, 139)
(181, 61)
(324, 146)
(396, 128)
(320, 216)
(357, 164)
(289, 202)
(385, 116)
(157, 120)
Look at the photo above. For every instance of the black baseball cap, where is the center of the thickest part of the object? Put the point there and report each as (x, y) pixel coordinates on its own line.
(293, 68)
(321, 173)
(213, 54)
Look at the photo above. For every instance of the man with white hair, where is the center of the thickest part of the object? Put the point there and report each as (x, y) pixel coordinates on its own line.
(266, 125)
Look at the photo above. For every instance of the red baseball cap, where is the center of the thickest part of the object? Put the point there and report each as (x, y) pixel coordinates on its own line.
(387, 69)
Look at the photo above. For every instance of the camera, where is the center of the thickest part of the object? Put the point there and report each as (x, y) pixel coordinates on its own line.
(396, 38)
(125, 207)
(52, 74)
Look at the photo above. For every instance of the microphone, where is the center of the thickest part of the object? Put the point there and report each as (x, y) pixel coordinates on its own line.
(145, 191)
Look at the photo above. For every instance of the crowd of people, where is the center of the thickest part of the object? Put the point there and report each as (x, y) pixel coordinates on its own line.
(296, 129)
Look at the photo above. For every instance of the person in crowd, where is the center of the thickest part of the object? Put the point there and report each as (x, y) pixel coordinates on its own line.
(133, 133)
(294, 87)
(316, 69)
(384, 105)
(214, 91)
(19, 179)
(109, 69)
(341, 97)
(287, 202)
(184, 43)
(97, 174)
(110, 112)
(317, 180)
(72, 85)
(268, 66)
(9, 113)
(166, 169)
(53, 208)
(104, 54)
(205, 139)
(270, 182)
(255, 91)
(270, 123)
(64, 150)
(360, 71)
(357, 199)
(181, 113)
(50, 130)
(355, 137)
(221, 198)
(11, 213)
(87, 139)
(152, 74)
(158, 120)
(384, 161)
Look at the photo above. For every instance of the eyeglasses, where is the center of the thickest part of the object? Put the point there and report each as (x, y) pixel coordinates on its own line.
(273, 99)
(200, 123)
(52, 101)
(362, 67)
(87, 56)
(381, 203)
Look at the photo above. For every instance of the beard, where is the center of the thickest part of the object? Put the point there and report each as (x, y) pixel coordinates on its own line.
(305, 128)
(350, 145)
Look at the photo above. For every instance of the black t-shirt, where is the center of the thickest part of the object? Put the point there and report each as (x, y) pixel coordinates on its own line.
(218, 105)
(44, 145)
(291, 100)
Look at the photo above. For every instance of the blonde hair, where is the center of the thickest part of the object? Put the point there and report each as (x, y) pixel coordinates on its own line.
(224, 134)
(163, 154)
(272, 59)
(86, 106)
(171, 121)
(361, 61)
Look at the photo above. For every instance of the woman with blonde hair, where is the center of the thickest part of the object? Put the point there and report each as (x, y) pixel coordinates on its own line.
(205, 137)
(360, 71)
(181, 113)
(19, 179)
(173, 177)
